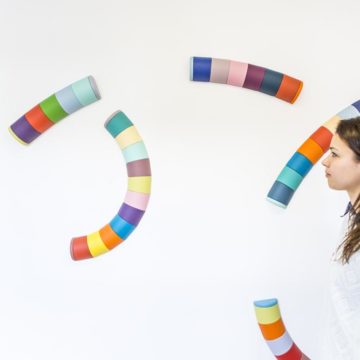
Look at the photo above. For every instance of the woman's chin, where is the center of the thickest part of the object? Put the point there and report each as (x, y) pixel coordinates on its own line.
(334, 186)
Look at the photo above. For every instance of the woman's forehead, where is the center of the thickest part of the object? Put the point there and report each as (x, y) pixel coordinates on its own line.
(337, 143)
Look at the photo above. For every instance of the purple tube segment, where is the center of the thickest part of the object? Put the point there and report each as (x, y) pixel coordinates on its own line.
(24, 131)
(254, 77)
(130, 214)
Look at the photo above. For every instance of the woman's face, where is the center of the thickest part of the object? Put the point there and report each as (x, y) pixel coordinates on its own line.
(342, 170)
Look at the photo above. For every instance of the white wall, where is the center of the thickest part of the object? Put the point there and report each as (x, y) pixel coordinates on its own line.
(182, 285)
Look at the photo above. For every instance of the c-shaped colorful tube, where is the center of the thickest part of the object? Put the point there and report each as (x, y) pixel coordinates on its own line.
(274, 331)
(136, 199)
(306, 156)
(53, 109)
(245, 75)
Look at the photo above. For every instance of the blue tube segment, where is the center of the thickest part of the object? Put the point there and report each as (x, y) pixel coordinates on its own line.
(348, 113)
(265, 303)
(271, 82)
(356, 104)
(68, 100)
(300, 163)
(281, 193)
(201, 67)
(121, 227)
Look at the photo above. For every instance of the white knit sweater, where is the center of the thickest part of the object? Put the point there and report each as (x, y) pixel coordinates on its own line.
(343, 325)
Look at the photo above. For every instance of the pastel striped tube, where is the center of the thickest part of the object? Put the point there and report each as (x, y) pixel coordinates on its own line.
(274, 332)
(245, 75)
(136, 199)
(306, 156)
(53, 109)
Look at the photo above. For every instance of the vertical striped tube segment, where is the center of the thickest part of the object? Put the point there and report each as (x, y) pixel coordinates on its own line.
(245, 75)
(274, 332)
(53, 109)
(306, 156)
(136, 198)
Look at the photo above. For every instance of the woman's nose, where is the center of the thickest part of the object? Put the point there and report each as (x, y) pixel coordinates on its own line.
(325, 162)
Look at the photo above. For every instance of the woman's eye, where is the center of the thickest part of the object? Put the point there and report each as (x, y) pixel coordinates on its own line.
(333, 154)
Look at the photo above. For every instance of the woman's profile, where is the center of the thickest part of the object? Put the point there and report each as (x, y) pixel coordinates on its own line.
(342, 169)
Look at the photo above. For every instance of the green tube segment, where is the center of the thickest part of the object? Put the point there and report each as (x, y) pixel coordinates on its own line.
(52, 109)
(290, 178)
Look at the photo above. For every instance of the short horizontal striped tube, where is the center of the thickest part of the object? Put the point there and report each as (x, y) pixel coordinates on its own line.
(306, 156)
(245, 75)
(274, 331)
(136, 198)
(53, 109)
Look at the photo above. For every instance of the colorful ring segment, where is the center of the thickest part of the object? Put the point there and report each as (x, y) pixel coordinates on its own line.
(53, 109)
(274, 331)
(136, 199)
(245, 75)
(306, 156)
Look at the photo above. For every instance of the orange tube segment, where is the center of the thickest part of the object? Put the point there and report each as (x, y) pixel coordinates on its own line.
(109, 237)
(273, 331)
(289, 89)
(312, 150)
(38, 120)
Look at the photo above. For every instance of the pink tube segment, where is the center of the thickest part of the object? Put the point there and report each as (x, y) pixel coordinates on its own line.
(137, 200)
(237, 73)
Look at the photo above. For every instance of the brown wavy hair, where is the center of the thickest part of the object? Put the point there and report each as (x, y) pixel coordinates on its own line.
(349, 132)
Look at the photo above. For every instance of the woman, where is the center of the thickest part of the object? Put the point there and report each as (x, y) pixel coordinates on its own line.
(342, 168)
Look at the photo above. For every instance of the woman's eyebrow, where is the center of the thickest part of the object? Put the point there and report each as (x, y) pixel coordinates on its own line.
(332, 148)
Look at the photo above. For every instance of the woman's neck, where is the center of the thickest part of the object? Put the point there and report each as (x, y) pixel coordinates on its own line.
(353, 195)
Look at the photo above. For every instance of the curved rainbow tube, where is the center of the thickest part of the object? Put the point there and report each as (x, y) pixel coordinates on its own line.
(274, 331)
(136, 199)
(306, 156)
(53, 109)
(245, 75)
